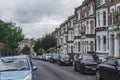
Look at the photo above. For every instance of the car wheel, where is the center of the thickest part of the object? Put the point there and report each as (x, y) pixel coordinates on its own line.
(98, 76)
(71, 64)
(60, 63)
(81, 70)
(75, 69)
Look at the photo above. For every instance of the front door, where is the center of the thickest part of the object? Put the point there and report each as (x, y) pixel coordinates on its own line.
(112, 45)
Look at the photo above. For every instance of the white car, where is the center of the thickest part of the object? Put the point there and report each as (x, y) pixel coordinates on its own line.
(47, 57)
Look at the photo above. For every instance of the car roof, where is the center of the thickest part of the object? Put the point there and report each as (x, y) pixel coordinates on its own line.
(85, 54)
(113, 58)
(62, 55)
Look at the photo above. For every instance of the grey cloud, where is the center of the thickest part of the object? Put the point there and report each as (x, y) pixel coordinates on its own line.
(35, 11)
(38, 30)
(32, 13)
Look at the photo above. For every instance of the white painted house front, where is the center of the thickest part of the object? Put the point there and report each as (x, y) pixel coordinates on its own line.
(114, 40)
(102, 40)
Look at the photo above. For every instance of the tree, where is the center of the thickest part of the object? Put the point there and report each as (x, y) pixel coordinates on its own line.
(10, 35)
(38, 44)
(40, 51)
(117, 20)
(50, 50)
(117, 23)
(26, 49)
(45, 42)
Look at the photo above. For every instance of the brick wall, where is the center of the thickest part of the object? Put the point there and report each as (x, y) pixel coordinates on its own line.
(1, 48)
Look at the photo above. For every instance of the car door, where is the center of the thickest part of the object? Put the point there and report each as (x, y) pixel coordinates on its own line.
(118, 71)
(79, 62)
(110, 70)
(115, 71)
(58, 60)
(103, 69)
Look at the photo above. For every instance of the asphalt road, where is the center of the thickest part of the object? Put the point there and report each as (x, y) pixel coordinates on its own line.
(49, 71)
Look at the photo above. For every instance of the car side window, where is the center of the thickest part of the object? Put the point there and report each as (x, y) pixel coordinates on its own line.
(118, 62)
(96, 57)
(110, 62)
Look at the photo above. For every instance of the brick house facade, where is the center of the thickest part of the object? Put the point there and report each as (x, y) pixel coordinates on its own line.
(93, 28)
(1, 43)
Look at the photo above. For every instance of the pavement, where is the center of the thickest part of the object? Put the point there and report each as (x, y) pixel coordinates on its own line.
(49, 71)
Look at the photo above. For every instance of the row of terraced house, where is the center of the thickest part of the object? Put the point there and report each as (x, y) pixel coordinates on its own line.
(90, 30)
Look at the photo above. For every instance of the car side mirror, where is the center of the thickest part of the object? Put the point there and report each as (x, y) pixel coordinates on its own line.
(34, 68)
(115, 65)
(71, 60)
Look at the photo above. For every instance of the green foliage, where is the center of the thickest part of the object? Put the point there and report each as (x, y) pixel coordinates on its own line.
(10, 35)
(50, 50)
(116, 28)
(8, 51)
(38, 44)
(46, 42)
(40, 51)
(117, 20)
(26, 49)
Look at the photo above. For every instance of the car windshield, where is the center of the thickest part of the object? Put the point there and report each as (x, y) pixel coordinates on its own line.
(88, 57)
(65, 57)
(55, 56)
(9, 64)
(48, 55)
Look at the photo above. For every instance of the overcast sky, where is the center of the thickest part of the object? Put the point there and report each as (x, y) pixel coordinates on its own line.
(37, 17)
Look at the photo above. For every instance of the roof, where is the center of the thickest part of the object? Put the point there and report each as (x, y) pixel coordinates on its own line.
(84, 3)
(102, 6)
(1, 21)
(71, 17)
(29, 41)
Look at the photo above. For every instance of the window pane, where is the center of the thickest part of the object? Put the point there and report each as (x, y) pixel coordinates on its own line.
(104, 18)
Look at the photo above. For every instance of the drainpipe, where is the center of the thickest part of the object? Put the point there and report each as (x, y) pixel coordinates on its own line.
(95, 21)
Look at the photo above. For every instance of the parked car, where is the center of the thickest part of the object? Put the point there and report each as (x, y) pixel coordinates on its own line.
(43, 56)
(46, 57)
(35, 57)
(54, 58)
(109, 69)
(75, 58)
(16, 68)
(85, 63)
(64, 59)
(40, 57)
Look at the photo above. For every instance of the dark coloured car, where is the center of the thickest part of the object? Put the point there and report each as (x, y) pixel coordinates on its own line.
(85, 63)
(109, 70)
(64, 59)
(54, 58)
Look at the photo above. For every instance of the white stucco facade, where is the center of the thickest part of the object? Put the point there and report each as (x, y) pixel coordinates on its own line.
(102, 42)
